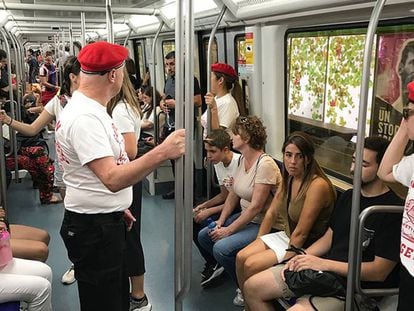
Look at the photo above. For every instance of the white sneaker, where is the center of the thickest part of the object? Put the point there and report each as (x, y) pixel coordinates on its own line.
(69, 276)
(238, 300)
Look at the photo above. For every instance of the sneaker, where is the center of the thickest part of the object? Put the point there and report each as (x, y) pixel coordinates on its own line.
(213, 272)
(69, 276)
(207, 266)
(238, 300)
(139, 304)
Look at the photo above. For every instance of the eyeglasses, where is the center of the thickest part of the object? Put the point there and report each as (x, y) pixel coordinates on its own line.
(407, 113)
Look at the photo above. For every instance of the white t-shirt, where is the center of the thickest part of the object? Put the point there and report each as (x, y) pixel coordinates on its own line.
(54, 107)
(86, 132)
(227, 111)
(403, 172)
(225, 175)
(126, 120)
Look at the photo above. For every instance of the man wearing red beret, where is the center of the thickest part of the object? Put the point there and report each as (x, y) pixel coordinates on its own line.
(98, 177)
(168, 103)
(395, 167)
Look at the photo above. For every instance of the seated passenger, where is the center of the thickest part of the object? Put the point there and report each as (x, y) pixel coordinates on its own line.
(330, 253)
(256, 178)
(217, 145)
(27, 242)
(146, 139)
(225, 100)
(304, 204)
(28, 281)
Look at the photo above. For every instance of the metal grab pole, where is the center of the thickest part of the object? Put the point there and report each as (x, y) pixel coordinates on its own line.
(365, 214)
(356, 194)
(13, 138)
(22, 74)
(17, 60)
(109, 21)
(210, 43)
(179, 164)
(189, 147)
(71, 49)
(3, 182)
(127, 37)
(83, 31)
(154, 85)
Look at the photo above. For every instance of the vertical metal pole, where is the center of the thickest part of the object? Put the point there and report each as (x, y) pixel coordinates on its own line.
(72, 50)
(127, 37)
(109, 21)
(13, 138)
(189, 147)
(3, 182)
(17, 61)
(179, 164)
(210, 43)
(83, 31)
(154, 89)
(356, 194)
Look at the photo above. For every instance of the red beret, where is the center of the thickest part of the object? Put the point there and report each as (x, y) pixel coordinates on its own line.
(224, 68)
(101, 56)
(410, 88)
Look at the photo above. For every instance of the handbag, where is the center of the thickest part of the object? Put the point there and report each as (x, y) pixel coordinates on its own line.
(316, 283)
(312, 282)
(5, 250)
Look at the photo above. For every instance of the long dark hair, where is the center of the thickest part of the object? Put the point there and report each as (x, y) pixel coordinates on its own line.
(312, 168)
(232, 85)
(71, 66)
(148, 91)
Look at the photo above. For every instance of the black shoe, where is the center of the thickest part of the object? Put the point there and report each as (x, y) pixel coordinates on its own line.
(211, 275)
(169, 196)
(207, 267)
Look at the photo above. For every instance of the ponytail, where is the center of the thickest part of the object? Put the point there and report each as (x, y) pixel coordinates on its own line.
(237, 93)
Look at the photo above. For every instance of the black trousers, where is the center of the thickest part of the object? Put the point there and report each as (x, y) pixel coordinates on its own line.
(134, 253)
(96, 246)
(406, 297)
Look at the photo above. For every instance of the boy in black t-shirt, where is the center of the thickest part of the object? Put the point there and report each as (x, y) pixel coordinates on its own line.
(330, 253)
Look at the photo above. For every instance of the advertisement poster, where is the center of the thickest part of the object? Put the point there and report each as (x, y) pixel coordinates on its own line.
(248, 53)
(395, 69)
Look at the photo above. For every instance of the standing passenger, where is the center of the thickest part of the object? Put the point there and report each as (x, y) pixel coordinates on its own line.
(98, 176)
(126, 113)
(168, 105)
(397, 167)
(225, 99)
(48, 76)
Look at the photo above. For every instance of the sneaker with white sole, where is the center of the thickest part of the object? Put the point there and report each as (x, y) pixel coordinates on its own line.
(238, 300)
(69, 276)
(212, 273)
(139, 304)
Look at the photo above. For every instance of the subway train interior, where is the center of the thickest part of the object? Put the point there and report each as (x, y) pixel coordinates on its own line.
(336, 70)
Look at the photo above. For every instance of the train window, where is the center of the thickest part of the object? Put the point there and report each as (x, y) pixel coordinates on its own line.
(323, 87)
(214, 50)
(140, 59)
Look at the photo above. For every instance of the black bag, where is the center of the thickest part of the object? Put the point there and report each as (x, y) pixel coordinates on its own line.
(312, 282)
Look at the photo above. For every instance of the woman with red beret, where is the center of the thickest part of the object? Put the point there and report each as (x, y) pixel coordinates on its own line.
(224, 100)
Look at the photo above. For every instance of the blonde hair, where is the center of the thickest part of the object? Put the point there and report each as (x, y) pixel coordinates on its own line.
(126, 94)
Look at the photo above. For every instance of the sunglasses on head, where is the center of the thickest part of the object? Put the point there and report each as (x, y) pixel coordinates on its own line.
(407, 112)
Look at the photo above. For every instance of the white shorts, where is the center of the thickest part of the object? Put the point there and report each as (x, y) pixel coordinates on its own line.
(278, 242)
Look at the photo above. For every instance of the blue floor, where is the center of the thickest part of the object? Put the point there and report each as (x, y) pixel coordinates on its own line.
(157, 237)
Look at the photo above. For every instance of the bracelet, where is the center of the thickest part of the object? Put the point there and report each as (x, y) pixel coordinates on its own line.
(11, 121)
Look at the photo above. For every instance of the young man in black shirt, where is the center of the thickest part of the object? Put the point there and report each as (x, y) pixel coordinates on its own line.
(330, 253)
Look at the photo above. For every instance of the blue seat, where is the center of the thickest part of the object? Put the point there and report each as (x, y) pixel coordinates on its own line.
(10, 306)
